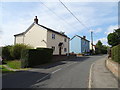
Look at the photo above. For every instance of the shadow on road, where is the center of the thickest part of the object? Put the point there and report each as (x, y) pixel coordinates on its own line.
(23, 79)
(79, 59)
(47, 66)
(50, 65)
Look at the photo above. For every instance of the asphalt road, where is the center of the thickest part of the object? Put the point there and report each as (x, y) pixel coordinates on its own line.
(72, 73)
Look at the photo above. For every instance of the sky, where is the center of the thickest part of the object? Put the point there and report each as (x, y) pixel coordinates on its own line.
(99, 17)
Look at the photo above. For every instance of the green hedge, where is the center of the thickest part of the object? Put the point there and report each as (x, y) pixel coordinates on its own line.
(12, 52)
(6, 52)
(33, 57)
(116, 53)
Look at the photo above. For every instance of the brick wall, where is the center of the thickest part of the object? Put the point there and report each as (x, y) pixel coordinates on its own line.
(114, 67)
(62, 57)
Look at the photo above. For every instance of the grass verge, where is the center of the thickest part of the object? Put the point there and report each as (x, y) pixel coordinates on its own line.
(15, 64)
(4, 69)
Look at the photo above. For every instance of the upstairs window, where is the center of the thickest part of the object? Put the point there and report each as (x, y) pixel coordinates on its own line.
(53, 36)
(65, 39)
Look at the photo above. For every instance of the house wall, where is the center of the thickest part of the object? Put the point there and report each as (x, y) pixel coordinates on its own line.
(54, 42)
(34, 37)
(75, 45)
(19, 39)
(84, 46)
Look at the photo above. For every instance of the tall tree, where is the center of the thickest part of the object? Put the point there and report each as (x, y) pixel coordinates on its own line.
(114, 38)
(99, 47)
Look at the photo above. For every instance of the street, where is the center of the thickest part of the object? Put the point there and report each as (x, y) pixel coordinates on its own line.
(72, 73)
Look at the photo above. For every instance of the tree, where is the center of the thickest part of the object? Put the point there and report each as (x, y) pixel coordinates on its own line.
(100, 48)
(17, 50)
(6, 50)
(114, 38)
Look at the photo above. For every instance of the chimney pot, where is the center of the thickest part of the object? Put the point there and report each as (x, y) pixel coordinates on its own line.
(36, 20)
(84, 37)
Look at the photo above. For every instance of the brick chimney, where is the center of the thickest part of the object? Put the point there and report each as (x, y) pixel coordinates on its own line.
(36, 20)
(84, 37)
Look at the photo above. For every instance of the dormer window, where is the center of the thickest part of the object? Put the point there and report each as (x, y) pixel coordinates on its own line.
(53, 36)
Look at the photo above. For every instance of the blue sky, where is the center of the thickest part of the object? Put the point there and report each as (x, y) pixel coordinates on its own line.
(100, 17)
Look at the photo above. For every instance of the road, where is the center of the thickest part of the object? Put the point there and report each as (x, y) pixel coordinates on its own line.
(72, 73)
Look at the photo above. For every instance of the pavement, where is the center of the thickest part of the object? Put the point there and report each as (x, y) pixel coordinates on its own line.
(101, 77)
(74, 73)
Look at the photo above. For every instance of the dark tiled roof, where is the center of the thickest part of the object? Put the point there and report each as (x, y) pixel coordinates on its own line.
(25, 31)
(53, 31)
(19, 34)
(80, 37)
(43, 27)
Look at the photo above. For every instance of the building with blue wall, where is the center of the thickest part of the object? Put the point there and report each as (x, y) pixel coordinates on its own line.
(79, 44)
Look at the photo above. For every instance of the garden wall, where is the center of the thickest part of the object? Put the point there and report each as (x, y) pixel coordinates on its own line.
(114, 67)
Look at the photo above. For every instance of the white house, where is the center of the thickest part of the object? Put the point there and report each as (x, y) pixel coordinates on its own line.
(40, 36)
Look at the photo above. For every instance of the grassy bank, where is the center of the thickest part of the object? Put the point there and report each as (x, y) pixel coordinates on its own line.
(15, 64)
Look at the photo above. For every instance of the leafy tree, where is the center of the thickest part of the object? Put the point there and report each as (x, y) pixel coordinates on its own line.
(6, 50)
(17, 49)
(114, 38)
(100, 48)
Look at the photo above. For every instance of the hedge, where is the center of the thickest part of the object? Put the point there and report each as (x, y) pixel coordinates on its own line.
(17, 50)
(33, 57)
(116, 53)
(6, 52)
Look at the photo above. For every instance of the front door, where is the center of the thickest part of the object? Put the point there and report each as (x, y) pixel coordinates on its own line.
(60, 50)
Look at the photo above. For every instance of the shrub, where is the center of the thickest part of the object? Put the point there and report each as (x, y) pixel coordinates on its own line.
(6, 52)
(32, 57)
(17, 50)
(116, 53)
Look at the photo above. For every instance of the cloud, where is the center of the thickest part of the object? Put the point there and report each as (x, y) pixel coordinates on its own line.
(103, 40)
(98, 30)
(111, 29)
(91, 14)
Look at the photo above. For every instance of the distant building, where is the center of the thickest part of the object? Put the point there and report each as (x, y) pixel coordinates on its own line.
(79, 44)
(40, 36)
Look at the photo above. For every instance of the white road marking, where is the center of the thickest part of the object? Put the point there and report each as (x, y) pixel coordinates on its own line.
(53, 73)
(56, 70)
(90, 77)
(42, 78)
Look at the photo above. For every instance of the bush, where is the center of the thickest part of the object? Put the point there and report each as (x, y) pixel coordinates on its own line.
(116, 53)
(32, 57)
(17, 50)
(6, 52)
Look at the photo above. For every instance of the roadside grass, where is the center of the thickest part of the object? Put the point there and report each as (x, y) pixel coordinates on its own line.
(15, 64)
(4, 69)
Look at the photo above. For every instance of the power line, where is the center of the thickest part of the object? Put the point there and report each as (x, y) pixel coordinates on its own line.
(74, 15)
(56, 14)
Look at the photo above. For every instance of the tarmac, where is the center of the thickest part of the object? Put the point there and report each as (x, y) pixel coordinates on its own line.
(101, 77)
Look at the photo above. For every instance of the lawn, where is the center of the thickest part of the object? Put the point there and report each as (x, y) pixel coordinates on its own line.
(15, 64)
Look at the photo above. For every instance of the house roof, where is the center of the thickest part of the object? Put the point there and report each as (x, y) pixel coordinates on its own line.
(79, 37)
(43, 27)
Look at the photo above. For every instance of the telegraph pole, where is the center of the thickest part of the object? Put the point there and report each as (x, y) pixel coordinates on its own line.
(92, 40)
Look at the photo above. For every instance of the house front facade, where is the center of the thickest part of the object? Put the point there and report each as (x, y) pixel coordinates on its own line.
(79, 45)
(40, 36)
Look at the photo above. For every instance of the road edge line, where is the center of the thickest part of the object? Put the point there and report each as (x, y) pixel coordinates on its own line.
(90, 76)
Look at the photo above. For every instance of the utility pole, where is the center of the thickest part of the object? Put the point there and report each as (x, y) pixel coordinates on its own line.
(92, 40)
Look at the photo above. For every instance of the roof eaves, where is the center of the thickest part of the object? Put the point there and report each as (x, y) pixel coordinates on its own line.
(25, 31)
(53, 31)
